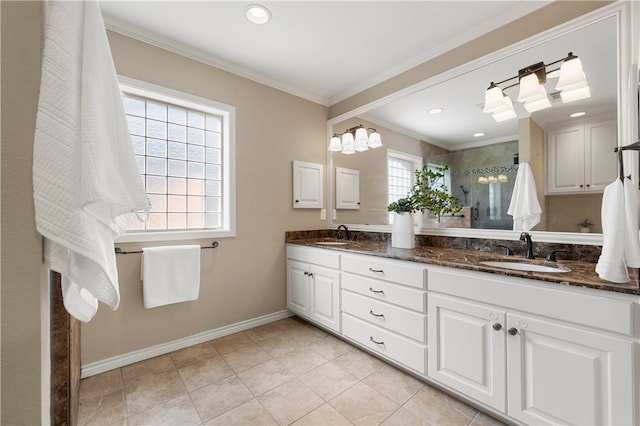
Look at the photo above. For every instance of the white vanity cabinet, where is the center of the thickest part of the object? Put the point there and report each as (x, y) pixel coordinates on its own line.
(313, 285)
(384, 308)
(539, 354)
(581, 158)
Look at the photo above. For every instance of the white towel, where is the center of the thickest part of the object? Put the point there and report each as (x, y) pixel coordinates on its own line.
(524, 206)
(632, 216)
(170, 274)
(611, 264)
(84, 171)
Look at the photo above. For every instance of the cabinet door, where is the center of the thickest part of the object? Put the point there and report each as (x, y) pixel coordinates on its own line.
(565, 160)
(559, 374)
(307, 185)
(298, 287)
(601, 167)
(467, 348)
(347, 188)
(325, 296)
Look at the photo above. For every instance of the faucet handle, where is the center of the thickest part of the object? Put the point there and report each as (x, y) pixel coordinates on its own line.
(507, 250)
(551, 256)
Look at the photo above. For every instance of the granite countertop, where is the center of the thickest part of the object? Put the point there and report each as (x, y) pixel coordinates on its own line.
(581, 274)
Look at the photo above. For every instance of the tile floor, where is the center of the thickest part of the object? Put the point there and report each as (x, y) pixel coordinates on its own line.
(285, 372)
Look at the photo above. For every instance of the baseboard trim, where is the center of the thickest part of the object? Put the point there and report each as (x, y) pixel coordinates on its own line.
(118, 361)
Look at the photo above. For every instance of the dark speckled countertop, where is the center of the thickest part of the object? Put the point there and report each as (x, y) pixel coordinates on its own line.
(581, 274)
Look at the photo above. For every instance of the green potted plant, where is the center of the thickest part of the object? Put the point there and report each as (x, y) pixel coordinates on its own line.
(429, 193)
(585, 226)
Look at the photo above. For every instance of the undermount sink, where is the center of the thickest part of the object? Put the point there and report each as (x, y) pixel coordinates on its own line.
(522, 266)
(331, 243)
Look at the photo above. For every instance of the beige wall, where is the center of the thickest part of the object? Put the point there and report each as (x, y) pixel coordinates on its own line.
(24, 299)
(531, 150)
(565, 211)
(244, 277)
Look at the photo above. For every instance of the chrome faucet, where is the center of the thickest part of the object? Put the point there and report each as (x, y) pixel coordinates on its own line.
(527, 239)
(346, 232)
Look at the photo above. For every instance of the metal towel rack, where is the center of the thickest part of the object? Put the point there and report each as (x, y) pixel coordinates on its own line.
(120, 251)
(619, 149)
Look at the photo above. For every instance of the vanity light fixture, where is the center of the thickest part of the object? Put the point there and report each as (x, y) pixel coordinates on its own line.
(355, 139)
(257, 14)
(572, 84)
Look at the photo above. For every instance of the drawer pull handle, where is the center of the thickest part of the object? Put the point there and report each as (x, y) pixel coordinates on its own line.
(376, 291)
(376, 315)
(375, 341)
(378, 271)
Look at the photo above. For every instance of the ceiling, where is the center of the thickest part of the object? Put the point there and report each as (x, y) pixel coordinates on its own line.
(326, 51)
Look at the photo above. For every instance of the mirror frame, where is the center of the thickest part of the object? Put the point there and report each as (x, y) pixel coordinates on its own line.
(627, 105)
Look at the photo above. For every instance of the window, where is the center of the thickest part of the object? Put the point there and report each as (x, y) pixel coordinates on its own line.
(401, 175)
(184, 148)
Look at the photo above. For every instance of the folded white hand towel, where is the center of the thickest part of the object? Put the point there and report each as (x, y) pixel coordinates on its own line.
(632, 216)
(170, 274)
(84, 171)
(524, 206)
(611, 263)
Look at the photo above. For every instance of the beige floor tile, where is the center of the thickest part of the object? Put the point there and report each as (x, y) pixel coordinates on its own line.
(134, 374)
(248, 414)
(103, 409)
(205, 372)
(216, 398)
(179, 412)
(153, 393)
(288, 342)
(359, 363)
(265, 332)
(404, 417)
(232, 343)
(362, 405)
(290, 401)
(245, 358)
(265, 376)
(330, 347)
(325, 415)
(100, 384)
(482, 419)
(437, 408)
(193, 355)
(328, 380)
(301, 361)
(393, 383)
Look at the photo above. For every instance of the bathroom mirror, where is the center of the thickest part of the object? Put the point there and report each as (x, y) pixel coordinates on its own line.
(600, 40)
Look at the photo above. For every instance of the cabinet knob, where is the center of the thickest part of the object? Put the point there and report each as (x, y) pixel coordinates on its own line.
(306, 273)
(497, 326)
(311, 274)
(581, 186)
(297, 201)
(513, 331)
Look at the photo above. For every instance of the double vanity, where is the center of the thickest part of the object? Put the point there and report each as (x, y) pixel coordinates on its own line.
(531, 341)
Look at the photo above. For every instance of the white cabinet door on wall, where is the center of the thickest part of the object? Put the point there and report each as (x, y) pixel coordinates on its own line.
(560, 374)
(581, 158)
(325, 296)
(298, 287)
(347, 188)
(307, 185)
(467, 348)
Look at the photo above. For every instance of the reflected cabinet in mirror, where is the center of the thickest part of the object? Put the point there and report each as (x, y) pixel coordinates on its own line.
(569, 145)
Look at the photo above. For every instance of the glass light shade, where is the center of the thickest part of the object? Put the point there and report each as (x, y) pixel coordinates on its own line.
(348, 144)
(502, 178)
(361, 139)
(530, 89)
(575, 94)
(492, 179)
(375, 141)
(361, 145)
(494, 99)
(506, 112)
(538, 104)
(334, 144)
(571, 75)
(482, 180)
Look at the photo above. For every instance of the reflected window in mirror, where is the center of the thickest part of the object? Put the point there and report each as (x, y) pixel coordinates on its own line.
(401, 175)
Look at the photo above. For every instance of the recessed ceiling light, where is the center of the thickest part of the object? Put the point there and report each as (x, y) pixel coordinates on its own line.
(436, 110)
(577, 114)
(257, 14)
(478, 134)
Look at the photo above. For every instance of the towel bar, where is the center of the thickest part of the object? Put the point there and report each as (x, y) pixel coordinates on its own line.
(619, 149)
(118, 250)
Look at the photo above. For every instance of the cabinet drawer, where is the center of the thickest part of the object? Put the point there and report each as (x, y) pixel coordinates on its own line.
(318, 256)
(381, 290)
(390, 345)
(399, 320)
(397, 271)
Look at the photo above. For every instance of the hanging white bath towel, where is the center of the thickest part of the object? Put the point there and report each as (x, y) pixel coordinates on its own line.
(84, 171)
(611, 263)
(524, 206)
(170, 274)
